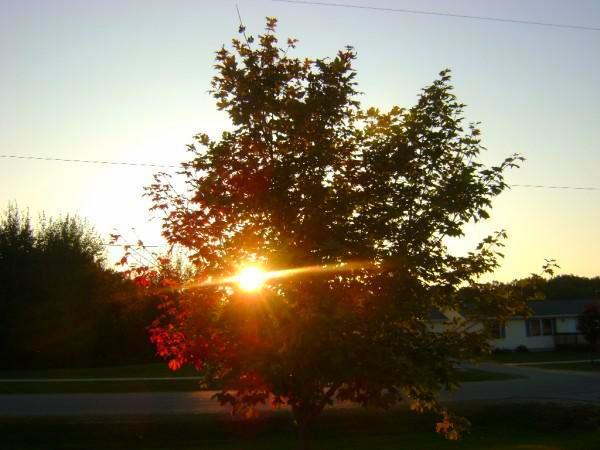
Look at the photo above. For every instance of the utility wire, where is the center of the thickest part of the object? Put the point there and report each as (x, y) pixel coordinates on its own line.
(442, 14)
(580, 188)
(143, 164)
(108, 244)
(87, 161)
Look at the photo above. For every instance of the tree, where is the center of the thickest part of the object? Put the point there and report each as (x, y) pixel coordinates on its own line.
(588, 324)
(17, 244)
(59, 303)
(560, 287)
(567, 287)
(307, 178)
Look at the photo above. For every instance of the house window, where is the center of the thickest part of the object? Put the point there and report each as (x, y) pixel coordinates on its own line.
(540, 327)
(533, 327)
(547, 328)
(499, 331)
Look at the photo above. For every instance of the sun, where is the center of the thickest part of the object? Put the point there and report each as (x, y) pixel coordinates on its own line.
(251, 279)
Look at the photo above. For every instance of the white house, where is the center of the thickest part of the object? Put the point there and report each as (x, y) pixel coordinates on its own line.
(552, 323)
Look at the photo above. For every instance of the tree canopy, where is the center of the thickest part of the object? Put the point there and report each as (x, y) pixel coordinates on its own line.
(588, 324)
(568, 287)
(59, 303)
(306, 177)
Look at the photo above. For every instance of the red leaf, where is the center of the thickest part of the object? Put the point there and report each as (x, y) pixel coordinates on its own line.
(174, 364)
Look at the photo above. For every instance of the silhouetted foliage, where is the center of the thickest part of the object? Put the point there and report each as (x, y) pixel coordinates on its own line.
(588, 324)
(307, 178)
(59, 304)
(560, 287)
(567, 287)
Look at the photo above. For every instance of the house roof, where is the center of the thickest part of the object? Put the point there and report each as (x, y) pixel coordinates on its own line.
(559, 307)
(540, 308)
(435, 315)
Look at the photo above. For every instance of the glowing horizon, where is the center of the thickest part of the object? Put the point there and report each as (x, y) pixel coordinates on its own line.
(252, 277)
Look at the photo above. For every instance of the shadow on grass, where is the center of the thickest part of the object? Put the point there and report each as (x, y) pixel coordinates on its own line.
(507, 426)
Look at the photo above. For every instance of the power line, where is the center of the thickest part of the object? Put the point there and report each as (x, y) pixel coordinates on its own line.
(442, 14)
(109, 244)
(144, 164)
(88, 161)
(579, 188)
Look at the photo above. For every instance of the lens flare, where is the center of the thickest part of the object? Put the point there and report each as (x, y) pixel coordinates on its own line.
(251, 279)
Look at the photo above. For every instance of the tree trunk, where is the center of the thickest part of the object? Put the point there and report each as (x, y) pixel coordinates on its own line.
(306, 412)
(304, 418)
(304, 436)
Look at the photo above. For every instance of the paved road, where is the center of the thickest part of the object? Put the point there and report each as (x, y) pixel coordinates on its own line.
(540, 385)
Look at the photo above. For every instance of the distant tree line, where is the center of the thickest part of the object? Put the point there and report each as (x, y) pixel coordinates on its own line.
(571, 287)
(60, 304)
(535, 287)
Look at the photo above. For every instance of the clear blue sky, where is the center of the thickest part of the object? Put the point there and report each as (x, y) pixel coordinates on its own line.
(128, 81)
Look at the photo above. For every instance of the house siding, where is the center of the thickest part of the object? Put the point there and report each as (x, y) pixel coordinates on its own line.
(516, 334)
(562, 314)
(566, 325)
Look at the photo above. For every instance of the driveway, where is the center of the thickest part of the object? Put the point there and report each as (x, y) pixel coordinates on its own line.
(540, 385)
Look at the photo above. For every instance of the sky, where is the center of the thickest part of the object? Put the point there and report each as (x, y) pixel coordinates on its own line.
(128, 81)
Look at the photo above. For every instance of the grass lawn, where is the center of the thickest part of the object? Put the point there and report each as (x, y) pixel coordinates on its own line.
(148, 370)
(526, 357)
(99, 387)
(495, 427)
(133, 371)
(582, 366)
